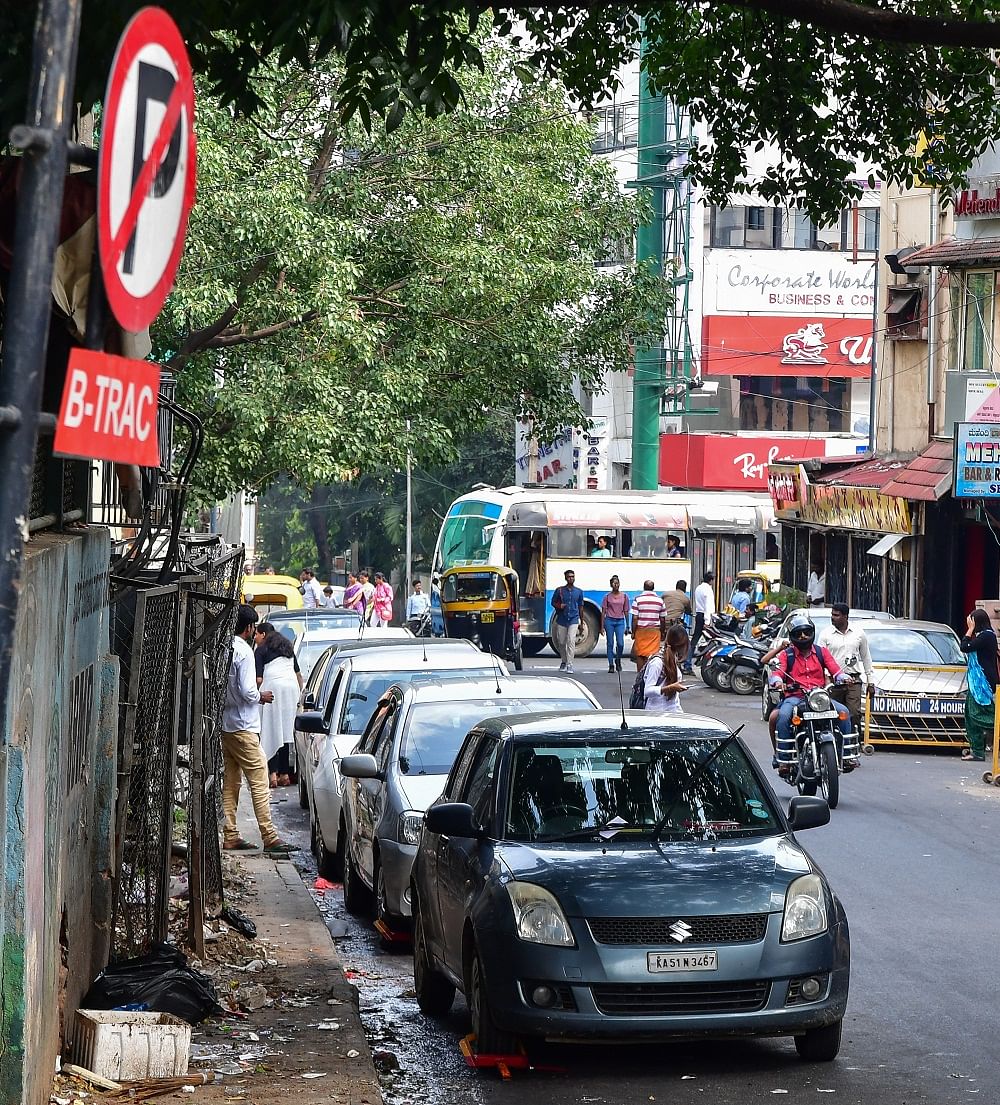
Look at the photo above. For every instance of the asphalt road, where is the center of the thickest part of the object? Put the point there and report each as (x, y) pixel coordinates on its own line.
(910, 851)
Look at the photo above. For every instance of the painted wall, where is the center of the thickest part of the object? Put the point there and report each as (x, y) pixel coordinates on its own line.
(57, 780)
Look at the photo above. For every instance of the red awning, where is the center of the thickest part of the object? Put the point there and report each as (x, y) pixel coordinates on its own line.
(957, 253)
(927, 477)
(875, 473)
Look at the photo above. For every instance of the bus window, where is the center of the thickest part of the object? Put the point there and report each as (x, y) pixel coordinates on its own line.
(567, 542)
(652, 544)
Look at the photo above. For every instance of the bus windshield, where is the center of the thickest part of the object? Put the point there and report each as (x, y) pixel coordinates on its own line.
(467, 533)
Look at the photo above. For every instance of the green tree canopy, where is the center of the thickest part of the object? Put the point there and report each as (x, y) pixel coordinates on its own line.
(336, 285)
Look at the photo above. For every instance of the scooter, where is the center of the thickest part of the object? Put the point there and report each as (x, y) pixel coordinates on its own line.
(741, 667)
(421, 626)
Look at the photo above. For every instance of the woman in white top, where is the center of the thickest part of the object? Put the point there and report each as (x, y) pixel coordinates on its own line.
(278, 672)
(662, 686)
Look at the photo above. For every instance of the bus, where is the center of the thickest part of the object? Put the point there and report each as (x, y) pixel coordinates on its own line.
(541, 532)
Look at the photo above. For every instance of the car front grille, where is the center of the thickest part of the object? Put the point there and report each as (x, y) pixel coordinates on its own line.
(738, 928)
(680, 998)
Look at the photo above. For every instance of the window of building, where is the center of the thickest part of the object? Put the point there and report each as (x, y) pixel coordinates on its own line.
(802, 404)
(977, 291)
(807, 234)
(617, 127)
(745, 227)
(755, 218)
(617, 251)
(867, 230)
(790, 228)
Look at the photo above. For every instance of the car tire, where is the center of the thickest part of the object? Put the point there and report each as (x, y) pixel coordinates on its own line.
(744, 681)
(519, 658)
(533, 646)
(829, 775)
(435, 994)
(329, 864)
(490, 1040)
(303, 794)
(357, 896)
(391, 921)
(820, 1045)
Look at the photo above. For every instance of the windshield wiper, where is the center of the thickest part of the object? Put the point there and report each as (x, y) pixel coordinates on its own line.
(662, 823)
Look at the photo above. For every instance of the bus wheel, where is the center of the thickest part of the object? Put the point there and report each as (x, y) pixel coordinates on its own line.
(587, 634)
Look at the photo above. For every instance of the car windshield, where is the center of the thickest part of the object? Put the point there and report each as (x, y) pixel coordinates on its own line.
(646, 789)
(914, 646)
(367, 687)
(435, 730)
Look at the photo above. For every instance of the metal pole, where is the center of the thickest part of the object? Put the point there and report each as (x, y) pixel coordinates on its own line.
(44, 140)
(873, 382)
(647, 380)
(409, 519)
(932, 322)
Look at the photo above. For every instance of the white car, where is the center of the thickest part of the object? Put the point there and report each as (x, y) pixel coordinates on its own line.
(350, 691)
(310, 645)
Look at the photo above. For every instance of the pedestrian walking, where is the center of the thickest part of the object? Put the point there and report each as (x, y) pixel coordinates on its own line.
(849, 647)
(382, 597)
(980, 645)
(661, 680)
(368, 590)
(328, 600)
(417, 606)
(704, 611)
(647, 624)
(354, 595)
(241, 750)
(614, 611)
(312, 593)
(567, 603)
(277, 672)
(677, 603)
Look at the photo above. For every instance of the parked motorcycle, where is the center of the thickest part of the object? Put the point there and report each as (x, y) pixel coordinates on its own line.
(421, 626)
(813, 756)
(742, 668)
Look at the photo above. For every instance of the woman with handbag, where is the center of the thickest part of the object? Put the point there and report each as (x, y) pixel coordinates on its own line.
(980, 645)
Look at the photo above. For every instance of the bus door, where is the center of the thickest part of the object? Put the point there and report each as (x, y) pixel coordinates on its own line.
(702, 554)
(526, 555)
(736, 553)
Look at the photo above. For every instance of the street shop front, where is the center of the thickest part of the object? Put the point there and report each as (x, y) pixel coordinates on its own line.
(837, 520)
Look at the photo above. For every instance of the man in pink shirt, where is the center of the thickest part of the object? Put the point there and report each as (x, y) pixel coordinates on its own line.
(614, 611)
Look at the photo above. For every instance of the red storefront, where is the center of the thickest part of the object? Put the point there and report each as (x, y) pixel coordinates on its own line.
(721, 462)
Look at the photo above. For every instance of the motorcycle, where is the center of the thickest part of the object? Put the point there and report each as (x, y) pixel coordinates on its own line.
(813, 756)
(741, 667)
(422, 625)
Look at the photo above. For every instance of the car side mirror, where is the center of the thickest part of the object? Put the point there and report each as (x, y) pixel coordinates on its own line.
(308, 701)
(453, 819)
(310, 721)
(807, 813)
(360, 766)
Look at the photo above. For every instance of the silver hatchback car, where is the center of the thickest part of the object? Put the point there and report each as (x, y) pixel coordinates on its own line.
(401, 765)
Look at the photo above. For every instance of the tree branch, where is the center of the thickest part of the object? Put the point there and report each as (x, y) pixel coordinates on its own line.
(882, 24)
(224, 340)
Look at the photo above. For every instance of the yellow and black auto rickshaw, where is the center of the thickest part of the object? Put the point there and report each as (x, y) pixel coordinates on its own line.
(479, 603)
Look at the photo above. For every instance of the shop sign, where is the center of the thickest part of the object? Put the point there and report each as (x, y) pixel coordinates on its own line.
(788, 282)
(786, 346)
(917, 704)
(969, 204)
(982, 401)
(786, 484)
(977, 460)
(728, 463)
(856, 508)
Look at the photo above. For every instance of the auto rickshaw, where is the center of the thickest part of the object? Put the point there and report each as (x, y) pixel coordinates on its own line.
(479, 603)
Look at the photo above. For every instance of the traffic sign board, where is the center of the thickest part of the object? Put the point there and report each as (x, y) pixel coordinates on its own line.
(146, 167)
(109, 408)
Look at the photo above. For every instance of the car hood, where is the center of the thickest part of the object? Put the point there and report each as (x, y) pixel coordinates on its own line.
(420, 790)
(665, 879)
(921, 680)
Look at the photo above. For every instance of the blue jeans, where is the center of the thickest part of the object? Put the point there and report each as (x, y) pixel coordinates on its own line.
(789, 703)
(614, 629)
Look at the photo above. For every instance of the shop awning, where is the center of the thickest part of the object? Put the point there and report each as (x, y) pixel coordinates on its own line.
(875, 473)
(957, 253)
(885, 546)
(927, 477)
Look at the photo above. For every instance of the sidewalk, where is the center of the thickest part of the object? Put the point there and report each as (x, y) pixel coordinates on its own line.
(309, 1043)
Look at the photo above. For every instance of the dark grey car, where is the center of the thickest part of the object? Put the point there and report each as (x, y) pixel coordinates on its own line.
(580, 880)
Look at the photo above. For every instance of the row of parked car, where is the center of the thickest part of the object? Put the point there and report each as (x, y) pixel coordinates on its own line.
(574, 872)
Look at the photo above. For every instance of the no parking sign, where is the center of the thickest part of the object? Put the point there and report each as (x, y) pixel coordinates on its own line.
(146, 168)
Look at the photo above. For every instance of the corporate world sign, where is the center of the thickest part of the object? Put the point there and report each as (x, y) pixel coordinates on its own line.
(977, 460)
(788, 282)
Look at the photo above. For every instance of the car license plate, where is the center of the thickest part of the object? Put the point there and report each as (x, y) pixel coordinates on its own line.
(666, 962)
(488, 616)
(819, 715)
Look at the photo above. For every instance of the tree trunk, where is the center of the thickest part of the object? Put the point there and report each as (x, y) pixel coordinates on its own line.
(319, 499)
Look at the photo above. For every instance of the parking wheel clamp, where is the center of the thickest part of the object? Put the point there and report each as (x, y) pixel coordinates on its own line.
(392, 936)
(480, 1060)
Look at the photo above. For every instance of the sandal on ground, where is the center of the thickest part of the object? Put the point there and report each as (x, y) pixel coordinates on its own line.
(239, 845)
(278, 848)
(968, 755)
(273, 781)
(284, 781)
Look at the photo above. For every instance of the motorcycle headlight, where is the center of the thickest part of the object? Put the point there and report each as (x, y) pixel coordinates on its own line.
(538, 917)
(819, 701)
(805, 909)
(409, 826)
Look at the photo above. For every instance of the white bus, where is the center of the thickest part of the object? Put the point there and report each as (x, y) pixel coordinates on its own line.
(540, 532)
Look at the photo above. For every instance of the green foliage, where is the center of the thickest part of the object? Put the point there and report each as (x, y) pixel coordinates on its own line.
(336, 285)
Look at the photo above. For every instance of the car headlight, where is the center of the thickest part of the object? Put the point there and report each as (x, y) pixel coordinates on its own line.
(538, 917)
(805, 909)
(819, 701)
(409, 826)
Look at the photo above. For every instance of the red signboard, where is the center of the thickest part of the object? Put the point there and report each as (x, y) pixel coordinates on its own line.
(716, 462)
(779, 345)
(108, 411)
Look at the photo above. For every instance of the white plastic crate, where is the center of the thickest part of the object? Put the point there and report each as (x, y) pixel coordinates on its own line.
(128, 1046)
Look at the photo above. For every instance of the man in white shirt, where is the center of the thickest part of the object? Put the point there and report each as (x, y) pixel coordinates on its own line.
(816, 585)
(241, 750)
(704, 611)
(417, 604)
(849, 647)
(312, 593)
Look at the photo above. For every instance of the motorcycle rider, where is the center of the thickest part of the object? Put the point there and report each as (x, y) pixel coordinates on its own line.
(417, 605)
(808, 664)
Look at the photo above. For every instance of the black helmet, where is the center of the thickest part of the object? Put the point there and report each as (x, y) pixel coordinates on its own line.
(801, 630)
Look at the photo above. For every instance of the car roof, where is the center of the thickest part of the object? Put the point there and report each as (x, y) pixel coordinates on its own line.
(308, 615)
(363, 644)
(606, 723)
(456, 687)
(907, 623)
(856, 612)
(410, 657)
(331, 634)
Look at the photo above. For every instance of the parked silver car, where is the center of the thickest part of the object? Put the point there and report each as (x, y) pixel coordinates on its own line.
(401, 766)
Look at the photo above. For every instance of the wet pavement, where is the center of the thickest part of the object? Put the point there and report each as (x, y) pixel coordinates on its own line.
(911, 853)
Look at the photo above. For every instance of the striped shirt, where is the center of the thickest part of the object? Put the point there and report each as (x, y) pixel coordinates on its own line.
(647, 609)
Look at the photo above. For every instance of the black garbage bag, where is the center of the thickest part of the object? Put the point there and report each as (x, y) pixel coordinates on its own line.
(161, 981)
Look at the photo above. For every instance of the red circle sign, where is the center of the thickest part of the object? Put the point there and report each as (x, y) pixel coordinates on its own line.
(146, 167)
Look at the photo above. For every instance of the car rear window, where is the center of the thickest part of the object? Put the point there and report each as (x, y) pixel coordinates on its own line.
(647, 789)
(435, 730)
